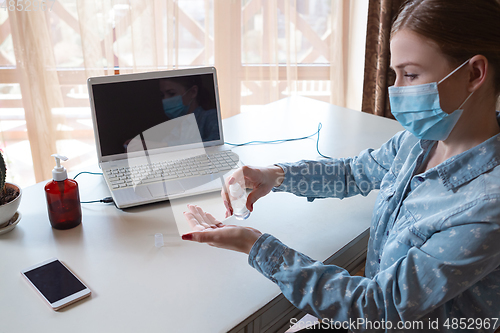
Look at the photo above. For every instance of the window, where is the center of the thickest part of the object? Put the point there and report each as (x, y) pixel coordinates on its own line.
(264, 50)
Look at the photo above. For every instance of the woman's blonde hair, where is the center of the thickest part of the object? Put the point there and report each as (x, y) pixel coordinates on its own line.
(461, 28)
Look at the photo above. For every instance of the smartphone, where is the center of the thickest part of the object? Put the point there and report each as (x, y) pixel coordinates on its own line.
(56, 283)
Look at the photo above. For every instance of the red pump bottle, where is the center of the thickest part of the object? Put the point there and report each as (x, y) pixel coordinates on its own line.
(63, 199)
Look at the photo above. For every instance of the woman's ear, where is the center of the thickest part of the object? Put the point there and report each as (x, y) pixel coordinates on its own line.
(193, 92)
(479, 71)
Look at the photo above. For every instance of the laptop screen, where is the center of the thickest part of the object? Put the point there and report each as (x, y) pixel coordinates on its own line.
(125, 110)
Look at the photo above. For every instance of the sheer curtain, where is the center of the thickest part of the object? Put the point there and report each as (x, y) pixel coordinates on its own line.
(311, 48)
(264, 50)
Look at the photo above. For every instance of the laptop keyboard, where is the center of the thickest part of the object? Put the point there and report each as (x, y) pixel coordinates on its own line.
(175, 169)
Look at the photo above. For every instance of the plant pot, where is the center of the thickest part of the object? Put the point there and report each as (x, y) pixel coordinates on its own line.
(8, 209)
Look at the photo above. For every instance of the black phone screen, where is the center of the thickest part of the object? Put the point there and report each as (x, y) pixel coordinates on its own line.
(54, 281)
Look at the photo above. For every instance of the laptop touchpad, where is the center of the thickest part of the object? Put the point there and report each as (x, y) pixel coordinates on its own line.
(165, 189)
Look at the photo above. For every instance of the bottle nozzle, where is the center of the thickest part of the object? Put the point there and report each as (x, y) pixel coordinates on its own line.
(58, 159)
(59, 172)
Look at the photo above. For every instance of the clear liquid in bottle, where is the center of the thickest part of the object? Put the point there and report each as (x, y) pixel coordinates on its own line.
(238, 198)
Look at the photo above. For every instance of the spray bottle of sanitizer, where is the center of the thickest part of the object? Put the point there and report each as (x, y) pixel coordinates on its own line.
(238, 198)
(63, 199)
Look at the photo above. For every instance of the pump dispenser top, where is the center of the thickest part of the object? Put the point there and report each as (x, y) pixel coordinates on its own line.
(59, 172)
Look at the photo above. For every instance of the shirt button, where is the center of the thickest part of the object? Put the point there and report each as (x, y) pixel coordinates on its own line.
(420, 179)
(379, 260)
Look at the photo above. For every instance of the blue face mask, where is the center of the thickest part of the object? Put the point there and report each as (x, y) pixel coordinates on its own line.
(174, 107)
(417, 108)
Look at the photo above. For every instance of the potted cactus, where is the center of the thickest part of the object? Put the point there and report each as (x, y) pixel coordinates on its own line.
(10, 196)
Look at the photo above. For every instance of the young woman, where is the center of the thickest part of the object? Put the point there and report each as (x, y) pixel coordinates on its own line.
(433, 253)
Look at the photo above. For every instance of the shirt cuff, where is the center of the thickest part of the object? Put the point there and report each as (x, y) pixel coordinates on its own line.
(282, 187)
(266, 255)
(286, 180)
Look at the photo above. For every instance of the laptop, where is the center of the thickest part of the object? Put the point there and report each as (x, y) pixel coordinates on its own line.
(159, 134)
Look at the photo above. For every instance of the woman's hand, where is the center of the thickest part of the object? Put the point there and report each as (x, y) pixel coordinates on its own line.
(208, 230)
(260, 179)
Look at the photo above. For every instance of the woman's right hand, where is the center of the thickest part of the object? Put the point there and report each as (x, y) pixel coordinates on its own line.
(260, 179)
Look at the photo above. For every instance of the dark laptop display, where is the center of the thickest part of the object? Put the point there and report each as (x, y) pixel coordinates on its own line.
(124, 110)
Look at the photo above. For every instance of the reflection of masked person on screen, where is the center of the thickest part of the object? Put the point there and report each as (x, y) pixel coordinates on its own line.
(191, 117)
(186, 95)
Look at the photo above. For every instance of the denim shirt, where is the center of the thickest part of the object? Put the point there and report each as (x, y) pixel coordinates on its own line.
(433, 252)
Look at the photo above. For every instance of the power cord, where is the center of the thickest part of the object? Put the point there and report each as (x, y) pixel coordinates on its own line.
(110, 199)
(320, 126)
(284, 140)
(105, 200)
(91, 173)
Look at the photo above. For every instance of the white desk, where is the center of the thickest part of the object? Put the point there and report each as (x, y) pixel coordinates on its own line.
(186, 286)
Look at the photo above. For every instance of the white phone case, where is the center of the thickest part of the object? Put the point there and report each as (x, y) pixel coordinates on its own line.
(61, 303)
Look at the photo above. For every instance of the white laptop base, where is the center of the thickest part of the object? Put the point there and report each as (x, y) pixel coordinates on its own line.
(168, 178)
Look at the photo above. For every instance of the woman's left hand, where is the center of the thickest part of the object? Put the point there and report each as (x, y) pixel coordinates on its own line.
(206, 229)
